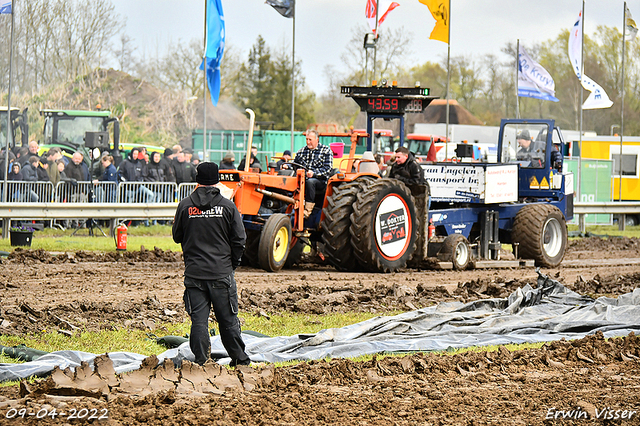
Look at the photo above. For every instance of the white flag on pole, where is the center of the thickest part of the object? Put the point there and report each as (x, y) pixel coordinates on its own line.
(598, 97)
(533, 80)
(5, 7)
(632, 28)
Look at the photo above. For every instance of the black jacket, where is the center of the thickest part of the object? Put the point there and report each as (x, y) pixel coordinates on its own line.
(210, 230)
(133, 170)
(408, 172)
(42, 174)
(154, 172)
(29, 173)
(224, 165)
(169, 174)
(254, 164)
(75, 171)
(185, 171)
(534, 153)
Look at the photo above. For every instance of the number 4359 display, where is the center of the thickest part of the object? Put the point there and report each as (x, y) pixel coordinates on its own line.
(382, 104)
(393, 105)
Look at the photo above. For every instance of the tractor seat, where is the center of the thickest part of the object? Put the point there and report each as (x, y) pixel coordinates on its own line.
(286, 172)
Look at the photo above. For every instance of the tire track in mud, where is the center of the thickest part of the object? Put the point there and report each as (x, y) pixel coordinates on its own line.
(148, 313)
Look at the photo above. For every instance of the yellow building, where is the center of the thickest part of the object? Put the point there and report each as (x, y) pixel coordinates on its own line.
(608, 148)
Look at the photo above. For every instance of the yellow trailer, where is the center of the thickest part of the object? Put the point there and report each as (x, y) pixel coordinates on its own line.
(608, 148)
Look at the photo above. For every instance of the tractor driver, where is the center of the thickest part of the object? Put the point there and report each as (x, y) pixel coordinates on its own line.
(318, 161)
(530, 150)
(406, 169)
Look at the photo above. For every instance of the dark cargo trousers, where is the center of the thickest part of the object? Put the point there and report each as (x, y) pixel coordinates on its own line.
(199, 296)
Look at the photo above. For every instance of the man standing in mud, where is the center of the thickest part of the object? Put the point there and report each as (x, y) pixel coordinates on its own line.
(210, 230)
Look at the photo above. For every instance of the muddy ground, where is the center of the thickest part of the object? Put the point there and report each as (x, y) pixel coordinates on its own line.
(139, 289)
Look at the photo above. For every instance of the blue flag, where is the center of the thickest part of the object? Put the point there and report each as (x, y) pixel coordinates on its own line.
(215, 47)
(284, 7)
(5, 6)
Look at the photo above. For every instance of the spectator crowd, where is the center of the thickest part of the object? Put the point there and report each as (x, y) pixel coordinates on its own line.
(28, 165)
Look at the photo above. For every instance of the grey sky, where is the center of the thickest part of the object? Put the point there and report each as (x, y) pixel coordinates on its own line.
(323, 27)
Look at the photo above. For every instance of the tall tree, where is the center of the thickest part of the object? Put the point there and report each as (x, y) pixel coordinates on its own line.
(393, 48)
(264, 84)
(57, 40)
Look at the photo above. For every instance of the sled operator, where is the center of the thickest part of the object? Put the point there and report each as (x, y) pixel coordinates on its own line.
(210, 230)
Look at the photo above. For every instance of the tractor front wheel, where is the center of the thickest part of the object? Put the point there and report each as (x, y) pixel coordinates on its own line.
(455, 249)
(275, 243)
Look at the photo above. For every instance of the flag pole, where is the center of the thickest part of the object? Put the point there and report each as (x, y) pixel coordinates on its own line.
(293, 74)
(624, 34)
(517, 69)
(204, 94)
(372, 122)
(581, 100)
(446, 139)
(375, 47)
(5, 226)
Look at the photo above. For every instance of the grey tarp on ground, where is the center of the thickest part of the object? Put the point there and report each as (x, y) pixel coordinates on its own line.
(550, 312)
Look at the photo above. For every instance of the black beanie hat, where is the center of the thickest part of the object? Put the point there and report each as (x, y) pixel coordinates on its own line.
(168, 152)
(207, 173)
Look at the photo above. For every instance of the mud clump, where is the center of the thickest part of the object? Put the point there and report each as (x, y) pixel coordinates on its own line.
(90, 316)
(480, 388)
(20, 255)
(347, 298)
(607, 285)
(598, 247)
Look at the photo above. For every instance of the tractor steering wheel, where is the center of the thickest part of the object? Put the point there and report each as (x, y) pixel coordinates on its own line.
(294, 166)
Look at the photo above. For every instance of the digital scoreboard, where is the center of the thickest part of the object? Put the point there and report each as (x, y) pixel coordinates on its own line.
(392, 100)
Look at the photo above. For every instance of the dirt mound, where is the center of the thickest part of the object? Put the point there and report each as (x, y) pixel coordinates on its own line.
(148, 313)
(90, 316)
(490, 287)
(608, 285)
(20, 255)
(597, 247)
(347, 298)
(499, 387)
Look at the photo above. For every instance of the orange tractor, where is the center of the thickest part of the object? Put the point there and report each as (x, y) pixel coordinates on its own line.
(362, 222)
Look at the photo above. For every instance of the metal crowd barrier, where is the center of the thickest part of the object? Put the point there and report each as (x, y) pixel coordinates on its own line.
(102, 192)
(146, 192)
(185, 189)
(83, 192)
(29, 192)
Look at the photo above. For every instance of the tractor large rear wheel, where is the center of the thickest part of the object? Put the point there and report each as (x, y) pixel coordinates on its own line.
(275, 243)
(336, 224)
(541, 233)
(383, 226)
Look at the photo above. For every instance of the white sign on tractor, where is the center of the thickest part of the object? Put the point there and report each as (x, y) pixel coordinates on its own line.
(483, 183)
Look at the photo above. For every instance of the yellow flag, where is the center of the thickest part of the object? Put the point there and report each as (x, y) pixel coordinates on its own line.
(440, 11)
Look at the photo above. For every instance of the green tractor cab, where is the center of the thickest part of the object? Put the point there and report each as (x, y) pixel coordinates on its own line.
(84, 131)
(18, 122)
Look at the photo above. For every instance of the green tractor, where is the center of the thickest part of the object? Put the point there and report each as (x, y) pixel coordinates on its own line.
(84, 131)
(18, 122)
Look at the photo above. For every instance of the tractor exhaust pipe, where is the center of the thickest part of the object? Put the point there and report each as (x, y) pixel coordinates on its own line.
(252, 120)
(276, 196)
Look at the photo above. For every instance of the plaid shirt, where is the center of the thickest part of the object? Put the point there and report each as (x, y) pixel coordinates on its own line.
(319, 160)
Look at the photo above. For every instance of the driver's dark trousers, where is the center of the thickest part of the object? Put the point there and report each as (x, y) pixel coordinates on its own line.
(222, 294)
(312, 187)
